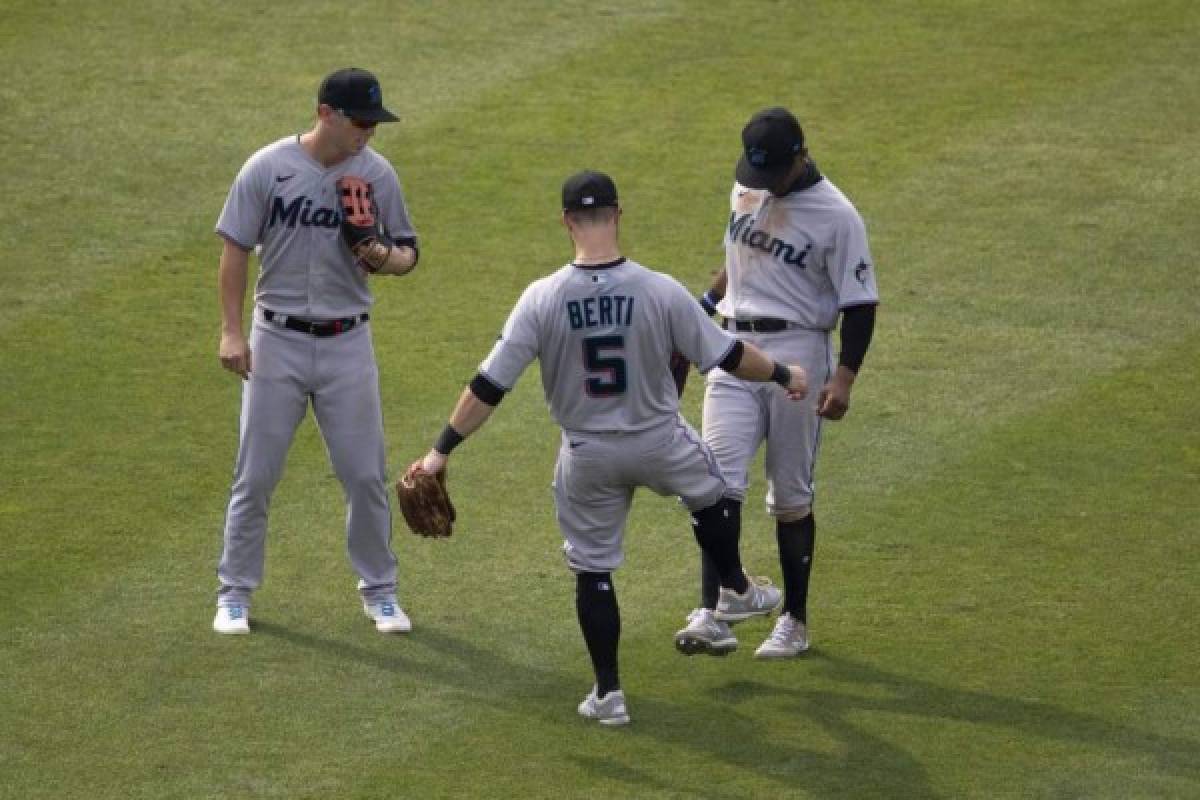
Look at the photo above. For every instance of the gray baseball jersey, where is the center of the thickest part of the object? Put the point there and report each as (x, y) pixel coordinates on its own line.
(286, 202)
(801, 257)
(604, 337)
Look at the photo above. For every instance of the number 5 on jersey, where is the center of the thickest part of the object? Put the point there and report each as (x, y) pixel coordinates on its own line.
(604, 356)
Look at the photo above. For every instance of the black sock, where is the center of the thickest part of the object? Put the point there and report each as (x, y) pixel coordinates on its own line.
(796, 541)
(600, 621)
(717, 530)
(710, 581)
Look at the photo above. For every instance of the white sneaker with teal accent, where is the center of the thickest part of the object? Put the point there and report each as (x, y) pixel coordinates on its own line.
(388, 616)
(233, 619)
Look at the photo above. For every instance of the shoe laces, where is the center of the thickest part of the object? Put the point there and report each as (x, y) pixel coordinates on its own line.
(785, 628)
(235, 612)
(699, 613)
(387, 608)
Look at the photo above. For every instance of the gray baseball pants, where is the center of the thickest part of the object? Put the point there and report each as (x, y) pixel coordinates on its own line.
(338, 374)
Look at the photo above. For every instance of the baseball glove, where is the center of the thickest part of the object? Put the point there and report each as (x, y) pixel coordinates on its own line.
(360, 224)
(425, 503)
(680, 367)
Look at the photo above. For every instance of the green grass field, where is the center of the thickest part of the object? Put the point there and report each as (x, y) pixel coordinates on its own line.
(1007, 588)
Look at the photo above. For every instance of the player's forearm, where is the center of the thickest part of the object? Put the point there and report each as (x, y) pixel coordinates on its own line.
(755, 365)
(715, 293)
(470, 413)
(231, 286)
(720, 283)
(401, 260)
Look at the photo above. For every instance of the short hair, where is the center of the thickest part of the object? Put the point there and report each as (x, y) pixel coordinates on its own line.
(587, 217)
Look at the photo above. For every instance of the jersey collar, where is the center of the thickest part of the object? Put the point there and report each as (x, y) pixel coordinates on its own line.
(607, 265)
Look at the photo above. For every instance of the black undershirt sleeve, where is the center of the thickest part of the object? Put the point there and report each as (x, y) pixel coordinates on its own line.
(734, 358)
(486, 391)
(858, 323)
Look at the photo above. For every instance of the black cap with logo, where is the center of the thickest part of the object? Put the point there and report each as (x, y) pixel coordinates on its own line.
(771, 141)
(588, 189)
(356, 93)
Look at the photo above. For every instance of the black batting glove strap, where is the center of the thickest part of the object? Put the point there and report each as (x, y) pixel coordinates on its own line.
(708, 301)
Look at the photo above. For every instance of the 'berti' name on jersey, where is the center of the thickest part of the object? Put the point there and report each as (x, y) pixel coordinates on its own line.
(741, 229)
(600, 312)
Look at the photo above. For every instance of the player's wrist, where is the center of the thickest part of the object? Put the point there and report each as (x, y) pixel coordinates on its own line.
(447, 440)
(782, 375)
(708, 301)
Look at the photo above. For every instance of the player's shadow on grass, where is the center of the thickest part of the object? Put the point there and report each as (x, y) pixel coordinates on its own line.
(697, 722)
(858, 762)
(432, 655)
(872, 690)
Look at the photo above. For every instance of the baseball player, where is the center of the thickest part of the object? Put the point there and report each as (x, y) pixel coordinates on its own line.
(796, 259)
(603, 328)
(308, 204)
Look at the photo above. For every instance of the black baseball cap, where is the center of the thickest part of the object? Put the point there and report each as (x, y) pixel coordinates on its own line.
(771, 141)
(588, 189)
(356, 93)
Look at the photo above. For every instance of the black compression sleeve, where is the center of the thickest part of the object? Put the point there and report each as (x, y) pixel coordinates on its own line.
(858, 323)
(734, 358)
(486, 391)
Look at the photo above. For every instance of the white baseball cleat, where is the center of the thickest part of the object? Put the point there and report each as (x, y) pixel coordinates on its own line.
(759, 598)
(788, 640)
(388, 616)
(233, 619)
(704, 633)
(609, 710)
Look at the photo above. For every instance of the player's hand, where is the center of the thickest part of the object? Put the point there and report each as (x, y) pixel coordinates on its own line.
(235, 353)
(834, 400)
(433, 463)
(797, 388)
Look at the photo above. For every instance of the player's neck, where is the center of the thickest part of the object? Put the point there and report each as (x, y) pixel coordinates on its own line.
(598, 248)
(321, 149)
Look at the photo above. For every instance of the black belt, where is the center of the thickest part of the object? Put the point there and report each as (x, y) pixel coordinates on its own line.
(763, 325)
(324, 327)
